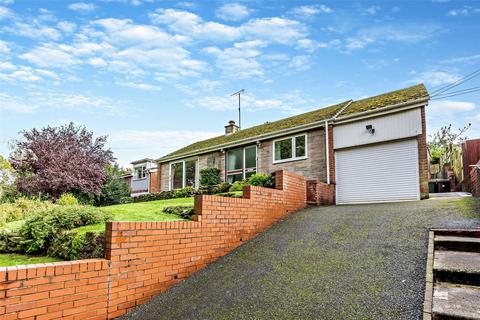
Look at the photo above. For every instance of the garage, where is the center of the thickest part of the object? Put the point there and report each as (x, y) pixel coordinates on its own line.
(378, 173)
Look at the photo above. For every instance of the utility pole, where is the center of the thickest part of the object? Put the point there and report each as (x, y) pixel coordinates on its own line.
(239, 94)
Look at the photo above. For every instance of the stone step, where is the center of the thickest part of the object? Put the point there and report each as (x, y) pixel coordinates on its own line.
(452, 301)
(459, 243)
(458, 232)
(457, 267)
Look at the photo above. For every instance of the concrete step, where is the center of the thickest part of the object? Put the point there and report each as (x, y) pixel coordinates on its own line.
(458, 243)
(458, 232)
(457, 267)
(451, 301)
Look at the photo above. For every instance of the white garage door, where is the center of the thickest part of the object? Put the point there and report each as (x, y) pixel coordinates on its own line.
(384, 172)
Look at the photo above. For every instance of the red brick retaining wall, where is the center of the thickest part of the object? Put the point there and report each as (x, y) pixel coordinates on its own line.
(475, 181)
(146, 258)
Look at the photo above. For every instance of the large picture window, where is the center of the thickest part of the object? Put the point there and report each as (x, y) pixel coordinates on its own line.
(183, 174)
(292, 148)
(241, 163)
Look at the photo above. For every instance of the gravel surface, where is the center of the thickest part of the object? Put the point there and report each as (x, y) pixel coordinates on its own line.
(338, 262)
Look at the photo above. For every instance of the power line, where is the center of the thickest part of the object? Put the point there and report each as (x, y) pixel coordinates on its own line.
(453, 94)
(455, 83)
(458, 91)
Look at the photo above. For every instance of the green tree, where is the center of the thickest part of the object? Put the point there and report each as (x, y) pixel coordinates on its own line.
(8, 189)
(442, 143)
(114, 188)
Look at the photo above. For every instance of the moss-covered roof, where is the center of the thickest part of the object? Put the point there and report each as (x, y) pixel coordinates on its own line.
(386, 99)
(372, 103)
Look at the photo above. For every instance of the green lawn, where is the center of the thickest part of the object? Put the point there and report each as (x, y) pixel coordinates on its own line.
(141, 211)
(11, 259)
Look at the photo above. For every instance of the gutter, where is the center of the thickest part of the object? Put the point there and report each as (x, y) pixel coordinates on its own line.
(312, 125)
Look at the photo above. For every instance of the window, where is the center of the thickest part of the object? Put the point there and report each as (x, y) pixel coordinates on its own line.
(241, 163)
(140, 172)
(292, 148)
(183, 174)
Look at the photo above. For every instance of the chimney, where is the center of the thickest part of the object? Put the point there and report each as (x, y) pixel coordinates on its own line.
(231, 127)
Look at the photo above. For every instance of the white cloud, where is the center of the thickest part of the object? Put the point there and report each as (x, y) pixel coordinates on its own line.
(407, 33)
(272, 30)
(278, 30)
(239, 61)
(140, 86)
(5, 13)
(4, 48)
(66, 26)
(466, 59)
(312, 10)
(191, 25)
(435, 78)
(11, 103)
(34, 31)
(47, 73)
(82, 7)
(372, 10)
(233, 12)
(452, 106)
(464, 11)
(300, 63)
(49, 56)
(130, 145)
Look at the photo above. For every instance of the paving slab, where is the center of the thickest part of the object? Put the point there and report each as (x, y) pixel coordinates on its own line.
(456, 301)
(457, 261)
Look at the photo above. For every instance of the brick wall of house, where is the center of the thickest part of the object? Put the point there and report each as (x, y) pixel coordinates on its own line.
(213, 160)
(146, 258)
(313, 168)
(423, 158)
(331, 154)
(155, 180)
(164, 176)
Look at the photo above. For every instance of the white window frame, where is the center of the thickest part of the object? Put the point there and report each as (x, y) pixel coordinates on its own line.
(244, 168)
(144, 172)
(294, 147)
(170, 181)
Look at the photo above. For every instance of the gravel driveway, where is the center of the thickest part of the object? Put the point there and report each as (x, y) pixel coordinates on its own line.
(338, 262)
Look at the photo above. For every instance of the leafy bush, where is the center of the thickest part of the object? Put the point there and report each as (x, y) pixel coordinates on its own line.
(20, 209)
(210, 177)
(125, 200)
(237, 186)
(114, 189)
(180, 193)
(70, 245)
(67, 199)
(185, 212)
(213, 189)
(261, 180)
(40, 229)
(231, 195)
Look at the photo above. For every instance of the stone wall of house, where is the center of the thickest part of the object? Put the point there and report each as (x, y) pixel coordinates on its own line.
(213, 159)
(312, 168)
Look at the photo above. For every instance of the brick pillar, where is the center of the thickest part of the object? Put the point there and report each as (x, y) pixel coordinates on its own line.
(423, 158)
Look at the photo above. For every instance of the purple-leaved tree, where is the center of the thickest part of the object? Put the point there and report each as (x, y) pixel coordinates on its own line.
(56, 160)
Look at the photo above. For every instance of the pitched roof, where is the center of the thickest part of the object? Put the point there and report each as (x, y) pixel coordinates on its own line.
(368, 104)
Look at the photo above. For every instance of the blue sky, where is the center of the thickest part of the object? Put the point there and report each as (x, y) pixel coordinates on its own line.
(156, 75)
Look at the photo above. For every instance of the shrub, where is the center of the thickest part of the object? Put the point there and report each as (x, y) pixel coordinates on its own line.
(20, 209)
(237, 186)
(209, 177)
(70, 245)
(261, 180)
(125, 200)
(185, 212)
(67, 199)
(213, 189)
(114, 189)
(40, 229)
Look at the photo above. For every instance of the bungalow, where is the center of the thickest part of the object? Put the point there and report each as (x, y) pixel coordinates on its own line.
(369, 150)
(143, 178)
